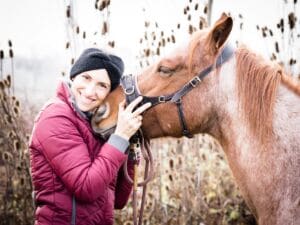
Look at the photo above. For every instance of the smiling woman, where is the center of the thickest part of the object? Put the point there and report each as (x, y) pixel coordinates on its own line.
(90, 89)
(74, 172)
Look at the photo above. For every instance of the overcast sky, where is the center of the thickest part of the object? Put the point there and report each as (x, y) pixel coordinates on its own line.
(37, 29)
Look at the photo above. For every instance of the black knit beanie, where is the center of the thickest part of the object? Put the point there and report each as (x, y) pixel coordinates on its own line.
(93, 59)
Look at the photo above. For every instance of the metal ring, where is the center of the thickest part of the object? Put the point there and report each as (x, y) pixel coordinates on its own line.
(129, 91)
(195, 81)
(161, 99)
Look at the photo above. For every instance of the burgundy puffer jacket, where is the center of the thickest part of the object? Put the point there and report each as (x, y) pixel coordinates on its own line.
(68, 160)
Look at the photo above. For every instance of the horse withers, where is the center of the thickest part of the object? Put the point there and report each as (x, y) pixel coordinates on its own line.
(247, 103)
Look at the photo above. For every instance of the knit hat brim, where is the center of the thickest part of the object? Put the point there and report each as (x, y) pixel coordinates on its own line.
(93, 59)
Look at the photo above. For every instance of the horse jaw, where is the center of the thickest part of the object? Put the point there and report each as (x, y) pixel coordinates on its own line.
(106, 116)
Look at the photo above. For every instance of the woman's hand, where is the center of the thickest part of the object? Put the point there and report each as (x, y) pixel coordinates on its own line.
(130, 121)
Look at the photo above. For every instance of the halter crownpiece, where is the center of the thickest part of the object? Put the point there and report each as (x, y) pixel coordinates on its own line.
(131, 90)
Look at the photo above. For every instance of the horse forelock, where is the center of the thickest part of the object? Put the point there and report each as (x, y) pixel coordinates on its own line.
(257, 82)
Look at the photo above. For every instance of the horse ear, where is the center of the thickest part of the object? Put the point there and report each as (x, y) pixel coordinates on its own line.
(220, 32)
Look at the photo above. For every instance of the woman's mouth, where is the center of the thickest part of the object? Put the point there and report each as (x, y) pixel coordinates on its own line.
(86, 100)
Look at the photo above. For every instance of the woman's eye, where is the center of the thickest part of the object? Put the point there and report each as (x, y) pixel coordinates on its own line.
(103, 86)
(166, 71)
(85, 77)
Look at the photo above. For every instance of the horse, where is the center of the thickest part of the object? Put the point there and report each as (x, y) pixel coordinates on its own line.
(249, 104)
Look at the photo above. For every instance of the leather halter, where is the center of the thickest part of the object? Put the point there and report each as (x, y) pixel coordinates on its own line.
(131, 90)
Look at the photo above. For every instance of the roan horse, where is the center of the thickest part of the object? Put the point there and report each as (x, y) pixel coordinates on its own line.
(248, 104)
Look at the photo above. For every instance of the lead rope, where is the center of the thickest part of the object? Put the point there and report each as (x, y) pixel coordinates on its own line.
(144, 146)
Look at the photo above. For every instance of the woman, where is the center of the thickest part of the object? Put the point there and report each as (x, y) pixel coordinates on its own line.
(76, 176)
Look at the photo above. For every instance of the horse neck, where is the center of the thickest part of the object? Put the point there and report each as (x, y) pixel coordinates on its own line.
(231, 130)
(234, 131)
(248, 159)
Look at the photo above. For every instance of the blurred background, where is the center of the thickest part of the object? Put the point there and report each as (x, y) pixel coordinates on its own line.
(39, 41)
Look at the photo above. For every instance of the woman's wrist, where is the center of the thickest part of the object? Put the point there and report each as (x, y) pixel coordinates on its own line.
(118, 142)
(122, 135)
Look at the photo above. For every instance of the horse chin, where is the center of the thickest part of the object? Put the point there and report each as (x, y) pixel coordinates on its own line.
(101, 122)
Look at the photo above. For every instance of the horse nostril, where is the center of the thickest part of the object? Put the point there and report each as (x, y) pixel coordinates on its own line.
(101, 113)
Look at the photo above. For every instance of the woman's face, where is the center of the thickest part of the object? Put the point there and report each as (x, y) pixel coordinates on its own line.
(90, 89)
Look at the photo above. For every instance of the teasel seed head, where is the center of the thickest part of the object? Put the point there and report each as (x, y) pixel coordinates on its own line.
(6, 156)
(68, 11)
(170, 177)
(16, 111)
(111, 44)
(22, 181)
(8, 119)
(17, 145)
(147, 52)
(190, 29)
(158, 51)
(173, 38)
(104, 28)
(271, 32)
(7, 81)
(205, 9)
(276, 47)
(171, 164)
(11, 53)
(292, 20)
(2, 86)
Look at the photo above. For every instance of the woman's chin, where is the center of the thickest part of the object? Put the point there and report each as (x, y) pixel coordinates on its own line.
(85, 108)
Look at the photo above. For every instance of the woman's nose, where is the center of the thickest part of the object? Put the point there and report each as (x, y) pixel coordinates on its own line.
(90, 89)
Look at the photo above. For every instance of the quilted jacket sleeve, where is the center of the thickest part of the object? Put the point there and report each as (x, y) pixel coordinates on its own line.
(68, 155)
(123, 187)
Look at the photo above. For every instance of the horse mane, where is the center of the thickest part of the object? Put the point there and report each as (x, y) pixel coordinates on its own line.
(257, 83)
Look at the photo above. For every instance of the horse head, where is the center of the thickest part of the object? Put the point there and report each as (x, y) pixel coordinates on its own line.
(170, 74)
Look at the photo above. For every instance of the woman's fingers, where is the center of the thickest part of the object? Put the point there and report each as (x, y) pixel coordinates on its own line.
(134, 103)
(141, 109)
(129, 122)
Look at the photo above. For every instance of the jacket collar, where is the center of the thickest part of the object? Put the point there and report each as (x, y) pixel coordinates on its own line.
(64, 93)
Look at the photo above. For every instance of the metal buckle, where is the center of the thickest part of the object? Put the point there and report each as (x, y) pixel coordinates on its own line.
(161, 99)
(195, 81)
(129, 91)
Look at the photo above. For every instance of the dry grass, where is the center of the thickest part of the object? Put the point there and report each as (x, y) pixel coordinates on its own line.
(193, 185)
(15, 182)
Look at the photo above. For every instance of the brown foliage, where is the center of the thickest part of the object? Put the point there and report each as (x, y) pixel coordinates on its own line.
(15, 183)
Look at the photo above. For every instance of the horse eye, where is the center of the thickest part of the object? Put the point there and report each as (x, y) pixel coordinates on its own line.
(165, 71)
